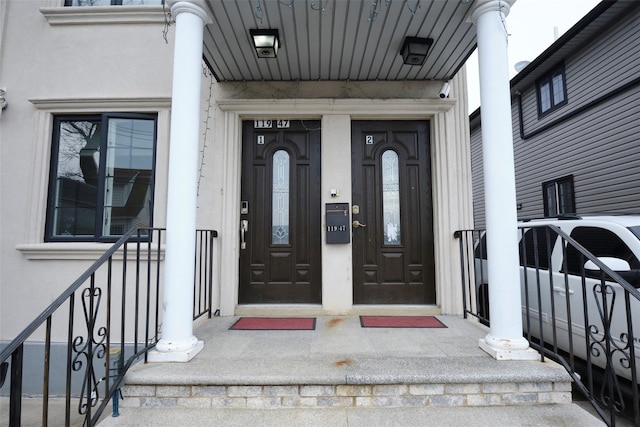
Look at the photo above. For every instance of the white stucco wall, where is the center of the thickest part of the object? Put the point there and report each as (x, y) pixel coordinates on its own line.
(50, 64)
(52, 61)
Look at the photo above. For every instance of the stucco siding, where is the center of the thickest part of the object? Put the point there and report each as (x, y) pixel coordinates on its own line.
(53, 66)
(49, 69)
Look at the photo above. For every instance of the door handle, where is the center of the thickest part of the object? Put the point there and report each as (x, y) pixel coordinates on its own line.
(562, 290)
(244, 227)
(358, 224)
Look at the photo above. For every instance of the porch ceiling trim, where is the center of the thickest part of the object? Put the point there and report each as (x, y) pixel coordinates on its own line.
(297, 108)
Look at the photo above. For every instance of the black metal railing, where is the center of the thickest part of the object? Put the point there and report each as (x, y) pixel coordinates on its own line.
(203, 279)
(577, 311)
(106, 321)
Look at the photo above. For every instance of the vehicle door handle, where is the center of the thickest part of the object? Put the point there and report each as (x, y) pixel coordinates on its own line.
(358, 224)
(562, 290)
(244, 227)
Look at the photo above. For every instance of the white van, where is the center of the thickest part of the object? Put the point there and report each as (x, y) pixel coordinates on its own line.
(560, 268)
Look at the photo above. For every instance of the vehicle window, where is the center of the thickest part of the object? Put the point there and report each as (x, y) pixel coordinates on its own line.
(481, 248)
(537, 241)
(601, 243)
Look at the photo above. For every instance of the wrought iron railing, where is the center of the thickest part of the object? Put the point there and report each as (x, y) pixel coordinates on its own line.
(203, 280)
(576, 310)
(106, 321)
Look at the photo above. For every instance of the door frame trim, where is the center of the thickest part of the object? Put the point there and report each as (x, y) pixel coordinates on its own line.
(451, 190)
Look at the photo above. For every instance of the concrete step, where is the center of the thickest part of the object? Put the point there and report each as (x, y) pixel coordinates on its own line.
(539, 415)
(355, 382)
(343, 374)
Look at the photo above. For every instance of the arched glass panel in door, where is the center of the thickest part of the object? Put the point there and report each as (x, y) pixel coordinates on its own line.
(391, 198)
(280, 199)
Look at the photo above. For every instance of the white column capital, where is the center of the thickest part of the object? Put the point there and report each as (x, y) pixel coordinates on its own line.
(196, 7)
(484, 6)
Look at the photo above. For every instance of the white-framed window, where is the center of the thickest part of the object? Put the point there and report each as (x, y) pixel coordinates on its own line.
(101, 178)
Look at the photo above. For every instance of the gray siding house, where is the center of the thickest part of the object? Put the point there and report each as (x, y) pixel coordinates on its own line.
(576, 116)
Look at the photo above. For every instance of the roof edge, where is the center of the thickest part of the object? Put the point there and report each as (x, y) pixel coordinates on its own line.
(565, 38)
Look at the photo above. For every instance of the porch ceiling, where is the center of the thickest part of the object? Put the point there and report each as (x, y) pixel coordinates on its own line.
(337, 39)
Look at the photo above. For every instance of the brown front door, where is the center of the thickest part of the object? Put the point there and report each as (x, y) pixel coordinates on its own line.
(280, 258)
(393, 260)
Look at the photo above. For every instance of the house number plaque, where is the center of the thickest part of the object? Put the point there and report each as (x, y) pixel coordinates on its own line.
(268, 124)
(262, 124)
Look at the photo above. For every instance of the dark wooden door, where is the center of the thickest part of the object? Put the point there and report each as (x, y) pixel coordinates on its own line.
(280, 259)
(393, 259)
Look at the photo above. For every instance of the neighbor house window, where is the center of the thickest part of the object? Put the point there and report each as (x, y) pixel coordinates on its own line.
(559, 198)
(552, 92)
(101, 176)
(111, 2)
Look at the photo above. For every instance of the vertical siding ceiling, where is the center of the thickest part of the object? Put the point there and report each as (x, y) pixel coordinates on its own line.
(338, 39)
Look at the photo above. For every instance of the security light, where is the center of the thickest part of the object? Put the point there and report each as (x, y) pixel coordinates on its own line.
(266, 42)
(414, 50)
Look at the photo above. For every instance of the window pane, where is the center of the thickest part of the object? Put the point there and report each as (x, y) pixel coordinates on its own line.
(537, 241)
(551, 200)
(558, 89)
(128, 173)
(391, 198)
(565, 197)
(545, 97)
(76, 186)
(601, 243)
(280, 199)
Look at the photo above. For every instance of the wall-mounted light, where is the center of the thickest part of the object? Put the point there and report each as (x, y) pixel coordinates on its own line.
(414, 50)
(266, 42)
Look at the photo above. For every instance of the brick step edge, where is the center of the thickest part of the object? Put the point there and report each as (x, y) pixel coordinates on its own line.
(313, 396)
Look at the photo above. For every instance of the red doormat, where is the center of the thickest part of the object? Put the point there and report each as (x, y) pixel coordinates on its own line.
(275, 324)
(400, 322)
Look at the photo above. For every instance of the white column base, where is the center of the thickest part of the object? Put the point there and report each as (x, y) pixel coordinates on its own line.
(175, 351)
(508, 351)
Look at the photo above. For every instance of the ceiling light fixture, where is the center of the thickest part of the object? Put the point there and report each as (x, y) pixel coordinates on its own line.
(266, 42)
(414, 50)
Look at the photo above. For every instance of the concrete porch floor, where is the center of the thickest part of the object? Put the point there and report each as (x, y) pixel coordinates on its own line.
(338, 349)
(384, 363)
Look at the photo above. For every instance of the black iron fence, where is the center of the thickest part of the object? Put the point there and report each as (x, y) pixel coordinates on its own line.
(106, 321)
(578, 309)
(204, 271)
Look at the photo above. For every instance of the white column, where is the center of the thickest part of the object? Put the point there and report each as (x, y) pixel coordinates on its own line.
(178, 344)
(505, 340)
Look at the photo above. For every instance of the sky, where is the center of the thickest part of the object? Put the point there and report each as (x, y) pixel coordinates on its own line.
(530, 25)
